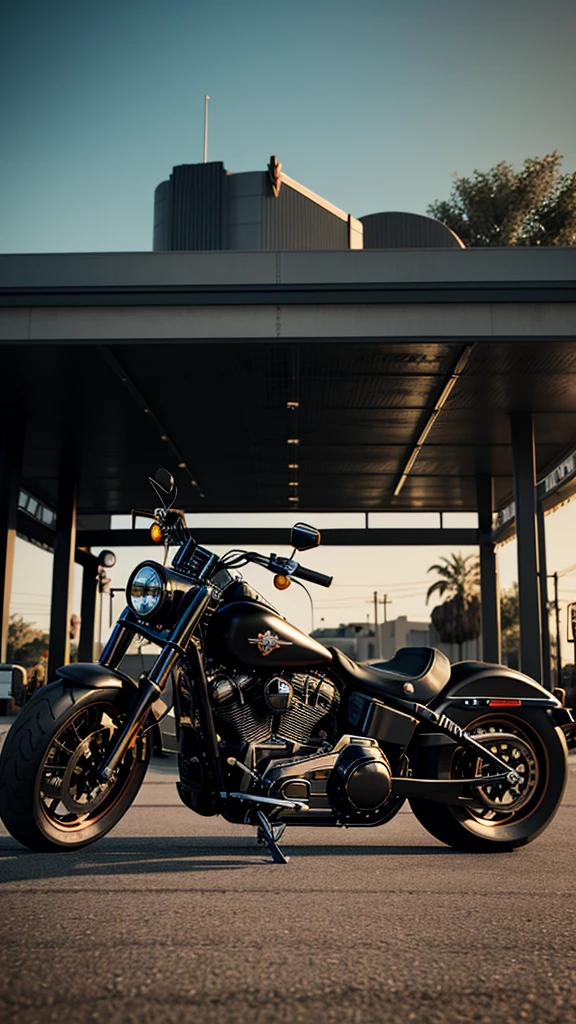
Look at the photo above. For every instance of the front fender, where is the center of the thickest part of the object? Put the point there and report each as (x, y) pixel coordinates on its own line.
(94, 676)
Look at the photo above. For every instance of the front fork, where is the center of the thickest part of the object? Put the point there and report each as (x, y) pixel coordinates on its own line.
(150, 685)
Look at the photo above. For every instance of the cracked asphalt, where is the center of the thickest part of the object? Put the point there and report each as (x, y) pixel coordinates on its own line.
(177, 918)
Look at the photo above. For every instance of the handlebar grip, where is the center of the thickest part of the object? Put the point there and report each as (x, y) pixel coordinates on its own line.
(313, 577)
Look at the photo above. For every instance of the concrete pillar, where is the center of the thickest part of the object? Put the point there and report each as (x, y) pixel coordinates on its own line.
(90, 605)
(11, 452)
(63, 571)
(543, 583)
(524, 461)
(489, 589)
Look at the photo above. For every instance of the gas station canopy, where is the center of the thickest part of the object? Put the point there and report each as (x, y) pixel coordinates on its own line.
(394, 374)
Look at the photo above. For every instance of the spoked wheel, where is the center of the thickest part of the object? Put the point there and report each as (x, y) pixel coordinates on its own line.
(51, 795)
(503, 817)
(500, 802)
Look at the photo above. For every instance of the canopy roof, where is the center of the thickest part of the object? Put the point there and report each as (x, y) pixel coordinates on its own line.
(405, 367)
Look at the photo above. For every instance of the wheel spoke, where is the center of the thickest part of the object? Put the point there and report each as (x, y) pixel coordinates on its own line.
(71, 790)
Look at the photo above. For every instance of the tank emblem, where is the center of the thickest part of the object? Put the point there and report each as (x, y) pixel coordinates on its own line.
(268, 642)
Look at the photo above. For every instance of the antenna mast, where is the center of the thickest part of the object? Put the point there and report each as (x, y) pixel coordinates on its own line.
(206, 98)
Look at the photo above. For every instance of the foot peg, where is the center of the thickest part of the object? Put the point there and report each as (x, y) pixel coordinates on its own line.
(269, 835)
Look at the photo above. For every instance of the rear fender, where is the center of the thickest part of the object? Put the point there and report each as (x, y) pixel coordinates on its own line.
(473, 689)
(476, 680)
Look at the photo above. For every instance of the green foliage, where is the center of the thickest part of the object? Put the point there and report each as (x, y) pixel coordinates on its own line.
(26, 645)
(459, 577)
(458, 618)
(533, 206)
(510, 625)
(456, 621)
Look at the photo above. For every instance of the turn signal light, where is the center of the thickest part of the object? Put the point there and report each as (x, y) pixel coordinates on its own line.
(505, 703)
(156, 533)
(281, 582)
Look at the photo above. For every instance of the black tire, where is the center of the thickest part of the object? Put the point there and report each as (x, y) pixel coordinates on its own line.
(478, 830)
(42, 760)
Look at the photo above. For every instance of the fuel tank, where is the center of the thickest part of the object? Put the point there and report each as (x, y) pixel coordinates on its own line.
(254, 636)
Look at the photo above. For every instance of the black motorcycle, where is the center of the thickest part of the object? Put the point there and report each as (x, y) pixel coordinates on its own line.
(273, 728)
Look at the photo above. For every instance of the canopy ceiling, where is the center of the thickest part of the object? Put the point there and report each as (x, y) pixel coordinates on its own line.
(218, 403)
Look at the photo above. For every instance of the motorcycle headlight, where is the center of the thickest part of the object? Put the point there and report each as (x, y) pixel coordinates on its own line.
(147, 590)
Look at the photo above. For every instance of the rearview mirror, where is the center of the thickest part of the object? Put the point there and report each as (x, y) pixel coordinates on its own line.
(165, 480)
(304, 537)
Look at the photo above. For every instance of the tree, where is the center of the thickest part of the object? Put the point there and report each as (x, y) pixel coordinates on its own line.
(533, 206)
(510, 625)
(458, 618)
(26, 645)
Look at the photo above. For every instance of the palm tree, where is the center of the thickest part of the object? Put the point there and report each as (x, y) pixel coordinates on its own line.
(458, 618)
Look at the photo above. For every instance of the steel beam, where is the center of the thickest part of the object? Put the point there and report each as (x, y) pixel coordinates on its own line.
(489, 589)
(90, 605)
(11, 450)
(63, 569)
(246, 536)
(545, 614)
(524, 462)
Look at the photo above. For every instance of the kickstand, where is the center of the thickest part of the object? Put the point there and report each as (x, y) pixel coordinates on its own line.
(269, 835)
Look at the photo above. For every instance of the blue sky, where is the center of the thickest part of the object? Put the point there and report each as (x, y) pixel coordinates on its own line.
(374, 105)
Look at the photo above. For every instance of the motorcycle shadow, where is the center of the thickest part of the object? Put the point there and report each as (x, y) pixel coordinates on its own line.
(123, 857)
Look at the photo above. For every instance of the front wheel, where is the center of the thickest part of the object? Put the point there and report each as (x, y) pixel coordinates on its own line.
(504, 818)
(51, 796)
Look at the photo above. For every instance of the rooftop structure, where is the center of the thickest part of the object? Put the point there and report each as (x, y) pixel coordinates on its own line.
(203, 207)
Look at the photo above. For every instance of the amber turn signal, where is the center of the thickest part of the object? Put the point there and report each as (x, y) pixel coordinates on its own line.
(156, 533)
(281, 582)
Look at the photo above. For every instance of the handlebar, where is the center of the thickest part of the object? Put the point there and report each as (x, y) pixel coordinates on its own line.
(311, 576)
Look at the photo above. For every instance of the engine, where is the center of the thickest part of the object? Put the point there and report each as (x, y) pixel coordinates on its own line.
(283, 727)
(292, 709)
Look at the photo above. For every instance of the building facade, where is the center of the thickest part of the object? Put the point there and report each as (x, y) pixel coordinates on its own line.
(203, 207)
(360, 641)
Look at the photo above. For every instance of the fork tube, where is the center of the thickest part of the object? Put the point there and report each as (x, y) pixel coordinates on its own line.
(194, 659)
(151, 686)
(117, 645)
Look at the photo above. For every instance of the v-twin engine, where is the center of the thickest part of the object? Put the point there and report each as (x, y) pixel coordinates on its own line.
(298, 707)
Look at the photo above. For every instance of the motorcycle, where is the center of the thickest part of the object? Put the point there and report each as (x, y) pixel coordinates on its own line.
(273, 728)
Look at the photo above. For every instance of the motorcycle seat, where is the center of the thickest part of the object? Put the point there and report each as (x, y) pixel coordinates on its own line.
(414, 673)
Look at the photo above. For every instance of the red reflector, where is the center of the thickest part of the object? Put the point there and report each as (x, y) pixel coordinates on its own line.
(505, 703)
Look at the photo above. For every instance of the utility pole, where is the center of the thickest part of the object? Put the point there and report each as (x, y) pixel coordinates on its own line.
(206, 98)
(376, 633)
(385, 602)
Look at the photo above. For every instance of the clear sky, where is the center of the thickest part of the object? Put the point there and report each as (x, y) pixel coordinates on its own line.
(372, 104)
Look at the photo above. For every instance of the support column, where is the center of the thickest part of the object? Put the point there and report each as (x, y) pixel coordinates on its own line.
(11, 452)
(63, 571)
(489, 589)
(90, 605)
(545, 615)
(524, 460)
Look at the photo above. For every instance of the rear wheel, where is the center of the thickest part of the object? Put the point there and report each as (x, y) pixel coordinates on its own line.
(51, 796)
(503, 818)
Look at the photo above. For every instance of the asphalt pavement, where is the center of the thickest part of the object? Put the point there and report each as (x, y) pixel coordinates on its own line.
(177, 918)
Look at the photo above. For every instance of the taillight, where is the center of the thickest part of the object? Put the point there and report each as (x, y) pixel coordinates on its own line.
(505, 702)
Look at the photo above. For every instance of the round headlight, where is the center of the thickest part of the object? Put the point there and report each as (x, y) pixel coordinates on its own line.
(146, 591)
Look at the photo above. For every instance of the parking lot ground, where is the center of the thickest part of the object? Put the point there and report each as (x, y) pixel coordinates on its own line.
(177, 918)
